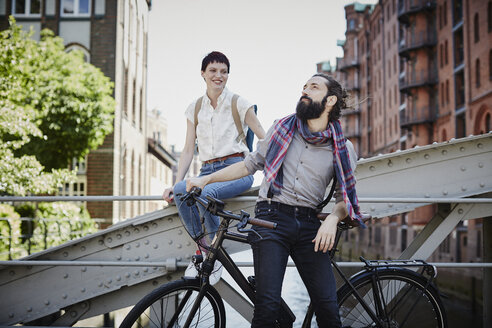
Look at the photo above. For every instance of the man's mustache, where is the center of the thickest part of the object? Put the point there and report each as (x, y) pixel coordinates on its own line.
(307, 98)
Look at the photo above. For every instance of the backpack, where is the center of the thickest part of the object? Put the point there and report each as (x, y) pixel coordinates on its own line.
(246, 139)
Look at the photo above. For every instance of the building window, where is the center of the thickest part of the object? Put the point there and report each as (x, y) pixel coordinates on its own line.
(441, 57)
(26, 7)
(488, 126)
(75, 7)
(489, 16)
(457, 11)
(445, 13)
(490, 65)
(459, 88)
(477, 73)
(476, 29)
(460, 126)
(447, 91)
(458, 47)
(85, 52)
(445, 52)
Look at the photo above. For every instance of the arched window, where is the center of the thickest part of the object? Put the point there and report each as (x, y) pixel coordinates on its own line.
(488, 126)
(476, 28)
(477, 73)
(78, 47)
(444, 135)
(490, 65)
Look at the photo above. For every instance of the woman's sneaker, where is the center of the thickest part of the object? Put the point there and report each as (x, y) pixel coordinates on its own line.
(192, 272)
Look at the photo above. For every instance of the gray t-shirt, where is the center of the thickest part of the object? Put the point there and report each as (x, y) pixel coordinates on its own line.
(307, 171)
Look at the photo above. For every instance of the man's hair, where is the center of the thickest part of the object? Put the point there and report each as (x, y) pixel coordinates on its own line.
(334, 89)
(215, 57)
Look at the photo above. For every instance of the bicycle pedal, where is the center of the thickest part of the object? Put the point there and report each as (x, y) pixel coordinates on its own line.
(252, 281)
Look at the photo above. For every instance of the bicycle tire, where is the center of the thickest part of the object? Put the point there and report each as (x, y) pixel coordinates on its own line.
(413, 305)
(158, 307)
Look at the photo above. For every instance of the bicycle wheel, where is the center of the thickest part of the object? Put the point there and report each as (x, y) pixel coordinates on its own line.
(400, 299)
(170, 304)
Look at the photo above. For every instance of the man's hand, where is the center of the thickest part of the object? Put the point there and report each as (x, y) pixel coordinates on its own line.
(167, 195)
(199, 182)
(325, 238)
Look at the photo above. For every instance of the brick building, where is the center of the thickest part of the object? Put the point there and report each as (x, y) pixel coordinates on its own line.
(113, 36)
(418, 71)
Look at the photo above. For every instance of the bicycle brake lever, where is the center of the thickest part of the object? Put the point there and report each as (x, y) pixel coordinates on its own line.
(249, 230)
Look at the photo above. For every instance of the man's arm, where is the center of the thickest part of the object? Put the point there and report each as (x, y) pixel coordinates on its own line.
(325, 238)
(232, 172)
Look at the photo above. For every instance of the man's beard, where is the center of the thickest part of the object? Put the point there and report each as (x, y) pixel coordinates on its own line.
(311, 109)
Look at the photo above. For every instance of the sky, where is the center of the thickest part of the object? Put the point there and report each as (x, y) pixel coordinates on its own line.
(272, 45)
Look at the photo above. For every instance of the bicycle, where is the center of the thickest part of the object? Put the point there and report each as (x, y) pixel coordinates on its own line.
(385, 294)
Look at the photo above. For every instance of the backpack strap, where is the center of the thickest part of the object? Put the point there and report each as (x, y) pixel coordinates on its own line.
(235, 115)
(198, 106)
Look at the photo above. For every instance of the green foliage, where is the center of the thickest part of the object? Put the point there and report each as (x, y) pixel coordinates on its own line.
(54, 224)
(57, 106)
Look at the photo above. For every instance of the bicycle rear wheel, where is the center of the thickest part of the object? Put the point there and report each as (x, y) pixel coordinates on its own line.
(170, 305)
(400, 299)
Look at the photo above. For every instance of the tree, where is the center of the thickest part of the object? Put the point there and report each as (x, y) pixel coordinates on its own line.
(70, 101)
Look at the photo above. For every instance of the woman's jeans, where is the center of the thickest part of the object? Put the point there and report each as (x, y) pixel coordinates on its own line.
(220, 190)
(296, 228)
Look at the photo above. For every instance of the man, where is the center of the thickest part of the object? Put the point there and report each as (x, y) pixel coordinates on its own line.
(299, 156)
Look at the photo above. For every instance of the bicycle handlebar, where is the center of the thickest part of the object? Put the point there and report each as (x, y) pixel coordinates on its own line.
(215, 206)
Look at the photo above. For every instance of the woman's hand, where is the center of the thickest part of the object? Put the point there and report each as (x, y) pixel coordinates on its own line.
(199, 182)
(167, 195)
(325, 238)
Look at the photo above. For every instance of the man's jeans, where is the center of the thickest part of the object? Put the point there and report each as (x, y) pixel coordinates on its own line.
(296, 228)
(220, 190)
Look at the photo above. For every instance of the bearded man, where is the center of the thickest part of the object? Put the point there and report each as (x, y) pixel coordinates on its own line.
(300, 156)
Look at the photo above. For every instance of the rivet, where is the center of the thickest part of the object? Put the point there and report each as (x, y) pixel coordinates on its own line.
(146, 270)
(444, 152)
(128, 247)
(460, 211)
(482, 184)
(180, 232)
(408, 160)
(101, 242)
(127, 275)
(462, 149)
(146, 242)
(390, 205)
(100, 284)
(179, 246)
(147, 255)
(137, 258)
(426, 156)
(146, 228)
(154, 225)
(65, 276)
(390, 163)
(47, 302)
(110, 239)
(426, 195)
(118, 278)
(12, 272)
(29, 309)
(373, 208)
(136, 273)
(170, 219)
(479, 145)
(11, 314)
(463, 188)
(73, 314)
(136, 230)
(118, 236)
(84, 305)
(188, 243)
(127, 233)
(84, 269)
(155, 283)
(82, 248)
(170, 242)
(480, 165)
(463, 168)
(444, 192)
(137, 245)
(64, 296)
(372, 168)
(156, 246)
(82, 290)
(118, 257)
(109, 281)
(65, 254)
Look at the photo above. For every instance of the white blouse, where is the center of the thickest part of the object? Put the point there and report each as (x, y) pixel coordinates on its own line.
(216, 132)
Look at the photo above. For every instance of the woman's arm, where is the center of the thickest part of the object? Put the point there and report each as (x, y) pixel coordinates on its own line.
(231, 172)
(253, 123)
(185, 158)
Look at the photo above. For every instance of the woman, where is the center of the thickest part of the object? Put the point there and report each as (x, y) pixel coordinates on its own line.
(219, 146)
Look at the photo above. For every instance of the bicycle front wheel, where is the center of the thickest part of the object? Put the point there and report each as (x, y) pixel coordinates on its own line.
(170, 305)
(398, 297)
